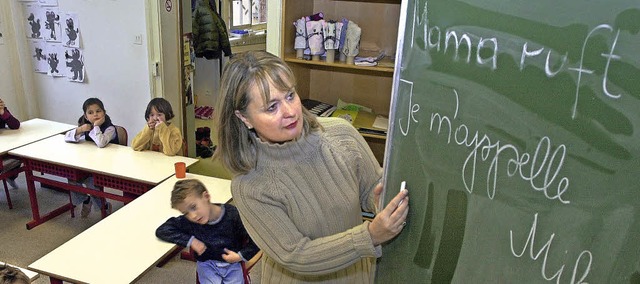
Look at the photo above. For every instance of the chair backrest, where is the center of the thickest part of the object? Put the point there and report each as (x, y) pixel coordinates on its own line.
(123, 138)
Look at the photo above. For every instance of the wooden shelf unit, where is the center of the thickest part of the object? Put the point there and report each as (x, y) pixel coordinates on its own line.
(328, 82)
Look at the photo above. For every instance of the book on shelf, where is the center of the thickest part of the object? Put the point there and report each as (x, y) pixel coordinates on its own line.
(349, 115)
(370, 123)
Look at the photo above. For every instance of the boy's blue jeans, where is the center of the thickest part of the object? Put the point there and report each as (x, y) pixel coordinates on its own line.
(213, 271)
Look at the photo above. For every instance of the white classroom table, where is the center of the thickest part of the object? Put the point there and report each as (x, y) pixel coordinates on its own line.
(30, 131)
(123, 245)
(114, 166)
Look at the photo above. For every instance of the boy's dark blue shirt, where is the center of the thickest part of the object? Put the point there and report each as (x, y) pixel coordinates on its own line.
(227, 233)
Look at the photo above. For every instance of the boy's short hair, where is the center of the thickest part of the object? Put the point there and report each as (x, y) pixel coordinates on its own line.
(184, 188)
(12, 275)
(162, 106)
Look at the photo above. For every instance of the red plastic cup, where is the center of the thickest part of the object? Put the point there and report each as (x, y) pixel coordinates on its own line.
(181, 170)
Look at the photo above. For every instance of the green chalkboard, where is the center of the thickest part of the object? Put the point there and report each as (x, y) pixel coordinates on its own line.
(516, 126)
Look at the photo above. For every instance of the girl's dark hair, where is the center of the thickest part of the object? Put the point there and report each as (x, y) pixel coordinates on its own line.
(89, 102)
(162, 106)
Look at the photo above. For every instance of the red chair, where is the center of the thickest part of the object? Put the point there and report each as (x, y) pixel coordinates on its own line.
(11, 170)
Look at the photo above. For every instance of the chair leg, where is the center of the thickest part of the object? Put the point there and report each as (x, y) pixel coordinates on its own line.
(245, 273)
(6, 192)
(73, 209)
(103, 210)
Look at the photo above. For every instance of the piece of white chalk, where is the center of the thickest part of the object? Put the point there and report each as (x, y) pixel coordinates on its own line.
(403, 184)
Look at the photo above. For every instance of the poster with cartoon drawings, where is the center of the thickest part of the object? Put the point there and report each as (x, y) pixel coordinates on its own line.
(71, 33)
(74, 64)
(55, 53)
(48, 2)
(52, 25)
(38, 55)
(34, 23)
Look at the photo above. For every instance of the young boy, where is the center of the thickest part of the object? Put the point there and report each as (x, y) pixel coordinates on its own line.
(214, 231)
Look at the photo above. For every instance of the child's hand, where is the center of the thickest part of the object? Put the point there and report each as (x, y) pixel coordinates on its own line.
(99, 121)
(84, 128)
(198, 246)
(1, 107)
(151, 123)
(231, 256)
(158, 122)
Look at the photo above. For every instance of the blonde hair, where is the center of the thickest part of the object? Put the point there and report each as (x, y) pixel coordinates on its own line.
(246, 71)
(12, 275)
(184, 188)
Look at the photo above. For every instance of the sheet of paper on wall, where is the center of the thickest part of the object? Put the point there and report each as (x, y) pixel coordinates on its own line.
(55, 60)
(1, 32)
(48, 2)
(74, 64)
(38, 55)
(52, 31)
(71, 33)
(34, 20)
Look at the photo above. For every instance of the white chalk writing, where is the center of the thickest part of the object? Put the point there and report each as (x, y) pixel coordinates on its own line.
(457, 41)
(530, 243)
(541, 169)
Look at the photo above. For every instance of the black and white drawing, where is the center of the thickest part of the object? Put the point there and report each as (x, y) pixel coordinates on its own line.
(71, 33)
(38, 56)
(74, 64)
(52, 25)
(55, 53)
(34, 21)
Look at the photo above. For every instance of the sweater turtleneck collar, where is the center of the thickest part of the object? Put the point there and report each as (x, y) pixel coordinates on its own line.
(290, 151)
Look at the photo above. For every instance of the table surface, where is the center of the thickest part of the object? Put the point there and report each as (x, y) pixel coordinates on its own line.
(113, 160)
(123, 245)
(30, 131)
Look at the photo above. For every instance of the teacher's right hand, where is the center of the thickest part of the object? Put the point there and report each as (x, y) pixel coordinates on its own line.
(389, 222)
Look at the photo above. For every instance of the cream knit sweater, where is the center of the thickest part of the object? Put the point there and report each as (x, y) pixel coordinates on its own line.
(302, 206)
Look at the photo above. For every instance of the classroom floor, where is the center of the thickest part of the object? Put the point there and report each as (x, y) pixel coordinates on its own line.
(22, 247)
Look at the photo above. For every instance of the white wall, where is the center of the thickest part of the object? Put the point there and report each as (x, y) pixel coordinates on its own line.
(8, 92)
(116, 69)
(274, 22)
